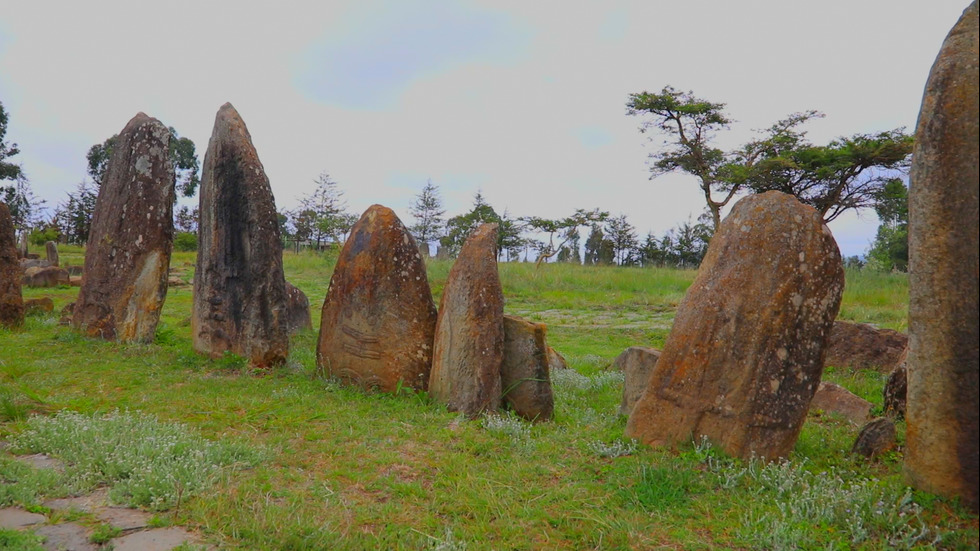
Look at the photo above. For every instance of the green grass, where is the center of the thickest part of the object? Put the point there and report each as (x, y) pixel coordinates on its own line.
(342, 469)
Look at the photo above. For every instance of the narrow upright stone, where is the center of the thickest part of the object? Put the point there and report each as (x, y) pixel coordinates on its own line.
(469, 340)
(51, 252)
(746, 350)
(297, 309)
(239, 287)
(11, 300)
(128, 251)
(378, 319)
(943, 357)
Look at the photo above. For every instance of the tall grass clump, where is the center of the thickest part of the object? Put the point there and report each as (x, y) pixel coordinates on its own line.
(143, 461)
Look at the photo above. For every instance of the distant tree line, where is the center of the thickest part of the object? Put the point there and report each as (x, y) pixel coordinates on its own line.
(853, 173)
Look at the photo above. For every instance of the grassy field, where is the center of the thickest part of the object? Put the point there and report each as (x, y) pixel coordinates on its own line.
(307, 464)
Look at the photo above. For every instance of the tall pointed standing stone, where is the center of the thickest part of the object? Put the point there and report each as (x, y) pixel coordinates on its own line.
(469, 343)
(746, 351)
(128, 253)
(239, 287)
(943, 357)
(11, 300)
(378, 319)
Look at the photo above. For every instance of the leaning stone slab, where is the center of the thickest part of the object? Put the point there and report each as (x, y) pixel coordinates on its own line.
(469, 338)
(863, 346)
(128, 251)
(895, 393)
(637, 364)
(45, 277)
(746, 350)
(833, 398)
(239, 287)
(525, 372)
(11, 299)
(378, 319)
(944, 329)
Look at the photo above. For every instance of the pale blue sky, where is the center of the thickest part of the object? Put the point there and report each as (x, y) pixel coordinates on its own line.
(523, 100)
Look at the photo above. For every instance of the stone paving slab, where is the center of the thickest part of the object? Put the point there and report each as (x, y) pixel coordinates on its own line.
(86, 504)
(41, 461)
(124, 519)
(66, 537)
(16, 518)
(157, 539)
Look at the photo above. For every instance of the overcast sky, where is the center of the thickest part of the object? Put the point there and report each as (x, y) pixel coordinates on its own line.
(522, 99)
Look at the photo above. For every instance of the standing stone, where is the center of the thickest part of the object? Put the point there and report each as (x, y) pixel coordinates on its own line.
(128, 251)
(637, 364)
(469, 340)
(746, 350)
(378, 319)
(297, 309)
(239, 287)
(51, 252)
(943, 358)
(524, 373)
(11, 300)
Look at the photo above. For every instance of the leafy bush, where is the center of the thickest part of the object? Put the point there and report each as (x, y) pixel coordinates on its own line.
(185, 241)
(41, 236)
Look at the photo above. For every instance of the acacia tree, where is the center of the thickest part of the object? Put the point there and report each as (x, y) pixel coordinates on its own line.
(566, 228)
(845, 174)
(428, 212)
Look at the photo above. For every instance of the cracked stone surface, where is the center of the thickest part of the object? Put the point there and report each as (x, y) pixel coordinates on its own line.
(86, 503)
(41, 461)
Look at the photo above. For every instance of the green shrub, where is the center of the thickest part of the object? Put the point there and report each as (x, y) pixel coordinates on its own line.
(41, 236)
(185, 241)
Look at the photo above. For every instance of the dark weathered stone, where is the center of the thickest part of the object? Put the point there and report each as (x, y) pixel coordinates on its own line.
(469, 338)
(38, 305)
(833, 398)
(47, 276)
(944, 262)
(378, 319)
(51, 251)
(746, 350)
(128, 251)
(636, 363)
(239, 287)
(875, 438)
(297, 309)
(525, 378)
(863, 346)
(896, 391)
(11, 299)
